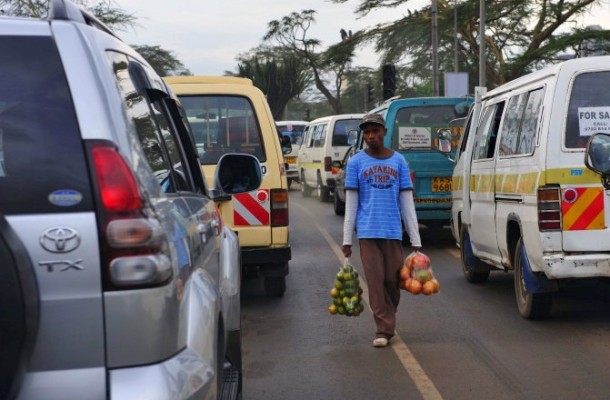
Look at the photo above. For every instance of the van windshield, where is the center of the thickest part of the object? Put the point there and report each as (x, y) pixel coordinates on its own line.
(223, 124)
(293, 131)
(589, 108)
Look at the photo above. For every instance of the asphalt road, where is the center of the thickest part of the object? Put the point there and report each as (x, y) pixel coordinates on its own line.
(465, 342)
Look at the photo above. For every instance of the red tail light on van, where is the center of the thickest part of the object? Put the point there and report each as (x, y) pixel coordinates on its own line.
(279, 207)
(549, 208)
(134, 250)
(328, 164)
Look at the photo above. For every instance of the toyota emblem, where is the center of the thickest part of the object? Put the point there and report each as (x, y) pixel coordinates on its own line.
(60, 239)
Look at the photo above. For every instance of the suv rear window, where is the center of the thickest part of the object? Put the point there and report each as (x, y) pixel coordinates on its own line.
(42, 162)
(223, 124)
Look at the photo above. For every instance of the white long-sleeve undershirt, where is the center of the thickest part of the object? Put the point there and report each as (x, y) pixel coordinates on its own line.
(407, 210)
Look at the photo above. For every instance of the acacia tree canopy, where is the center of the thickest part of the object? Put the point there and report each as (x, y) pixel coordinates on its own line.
(163, 61)
(290, 32)
(279, 74)
(521, 35)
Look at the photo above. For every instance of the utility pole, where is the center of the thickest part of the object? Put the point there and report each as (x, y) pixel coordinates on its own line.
(455, 40)
(435, 89)
(482, 43)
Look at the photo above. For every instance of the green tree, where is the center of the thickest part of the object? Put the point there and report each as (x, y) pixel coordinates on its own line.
(290, 32)
(164, 62)
(355, 98)
(104, 10)
(520, 35)
(278, 73)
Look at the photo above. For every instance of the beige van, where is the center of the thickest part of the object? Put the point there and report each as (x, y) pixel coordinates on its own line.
(294, 131)
(523, 198)
(325, 142)
(231, 115)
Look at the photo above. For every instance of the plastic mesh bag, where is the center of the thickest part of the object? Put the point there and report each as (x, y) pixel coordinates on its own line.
(346, 292)
(416, 275)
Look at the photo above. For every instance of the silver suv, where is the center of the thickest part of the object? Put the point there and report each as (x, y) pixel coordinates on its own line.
(118, 279)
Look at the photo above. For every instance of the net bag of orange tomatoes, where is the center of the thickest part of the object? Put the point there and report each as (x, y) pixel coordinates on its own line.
(416, 275)
(346, 292)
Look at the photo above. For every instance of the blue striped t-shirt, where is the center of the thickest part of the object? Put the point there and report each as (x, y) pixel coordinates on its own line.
(378, 182)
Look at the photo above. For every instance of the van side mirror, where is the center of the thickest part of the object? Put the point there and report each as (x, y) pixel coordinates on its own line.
(352, 137)
(444, 140)
(286, 148)
(597, 156)
(235, 173)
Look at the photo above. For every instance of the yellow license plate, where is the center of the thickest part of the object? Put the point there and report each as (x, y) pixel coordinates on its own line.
(441, 184)
(291, 160)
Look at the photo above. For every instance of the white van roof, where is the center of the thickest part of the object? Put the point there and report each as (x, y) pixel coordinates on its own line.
(581, 64)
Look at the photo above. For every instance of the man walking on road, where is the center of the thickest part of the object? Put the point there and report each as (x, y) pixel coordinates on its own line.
(378, 192)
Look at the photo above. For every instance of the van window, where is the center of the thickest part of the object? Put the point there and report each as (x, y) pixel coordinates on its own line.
(294, 132)
(589, 108)
(307, 135)
(521, 123)
(428, 115)
(488, 131)
(512, 124)
(341, 131)
(531, 119)
(319, 135)
(415, 125)
(464, 138)
(223, 124)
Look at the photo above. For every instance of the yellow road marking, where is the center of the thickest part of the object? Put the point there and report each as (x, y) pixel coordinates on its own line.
(423, 383)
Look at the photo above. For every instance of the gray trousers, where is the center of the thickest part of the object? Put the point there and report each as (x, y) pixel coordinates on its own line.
(382, 260)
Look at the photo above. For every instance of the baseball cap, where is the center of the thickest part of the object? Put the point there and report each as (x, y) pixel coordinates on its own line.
(372, 119)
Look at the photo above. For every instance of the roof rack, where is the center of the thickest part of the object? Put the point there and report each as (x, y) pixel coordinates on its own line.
(66, 10)
(391, 99)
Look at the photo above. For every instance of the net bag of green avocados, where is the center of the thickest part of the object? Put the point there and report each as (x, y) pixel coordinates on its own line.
(346, 292)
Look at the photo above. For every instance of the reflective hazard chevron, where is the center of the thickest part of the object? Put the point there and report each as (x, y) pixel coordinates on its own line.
(252, 208)
(583, 211)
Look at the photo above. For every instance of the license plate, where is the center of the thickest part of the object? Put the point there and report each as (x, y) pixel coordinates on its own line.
(441, 184)
(291, 160)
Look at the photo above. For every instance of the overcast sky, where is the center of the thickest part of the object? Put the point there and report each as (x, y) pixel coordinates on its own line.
(206, 36)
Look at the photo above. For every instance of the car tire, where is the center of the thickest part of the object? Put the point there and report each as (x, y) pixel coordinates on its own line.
(338, 205)
(475, 270)
(305, 190)
(234, 355)
(275, 286)
(322, 191)
(21, 311)
(530, 305)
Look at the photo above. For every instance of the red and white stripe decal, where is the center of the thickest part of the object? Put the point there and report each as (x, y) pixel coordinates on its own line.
(252, 208)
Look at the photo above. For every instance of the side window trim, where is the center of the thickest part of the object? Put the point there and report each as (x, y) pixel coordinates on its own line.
(155, 97)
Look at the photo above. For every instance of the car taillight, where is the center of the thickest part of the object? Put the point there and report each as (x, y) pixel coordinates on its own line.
(134, 251)
(328, 164)
(549, 208)
(279, 207)
(117, 187)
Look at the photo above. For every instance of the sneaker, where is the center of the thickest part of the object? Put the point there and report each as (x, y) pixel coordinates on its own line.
(380, 342)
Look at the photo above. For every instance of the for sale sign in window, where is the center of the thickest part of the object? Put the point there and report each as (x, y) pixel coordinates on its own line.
(593, 120)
